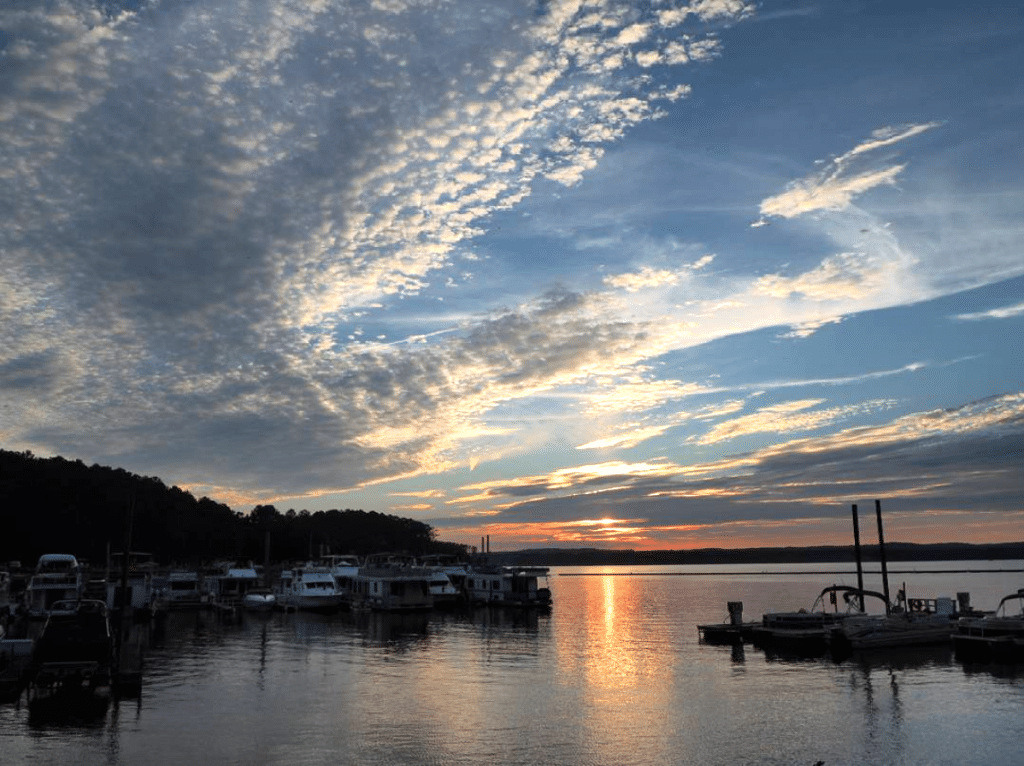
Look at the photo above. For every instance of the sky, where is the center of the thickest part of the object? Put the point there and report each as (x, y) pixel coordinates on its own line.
(649, 275)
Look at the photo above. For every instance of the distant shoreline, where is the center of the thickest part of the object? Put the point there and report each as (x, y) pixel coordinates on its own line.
(792, 572)
(896, 554)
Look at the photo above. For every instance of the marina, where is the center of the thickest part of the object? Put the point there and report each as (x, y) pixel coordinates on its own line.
(614, 673)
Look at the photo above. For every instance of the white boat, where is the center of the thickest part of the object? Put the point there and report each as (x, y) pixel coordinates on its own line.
(508, 586)
(392, 583)
(259, 600)
(343, 569)
(309, 588)
(57, 578)
(455, 570)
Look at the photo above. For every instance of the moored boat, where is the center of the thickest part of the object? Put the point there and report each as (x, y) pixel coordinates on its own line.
(75, 647)
(925, 622)
(228, 583)
(137, 575)
(517, 586)
(309, 588)
(181, 590)
(806, 632)
(996, 637)
(57, 577)
(259, 600)
(392, 583)
(451, 590)
(343, 568)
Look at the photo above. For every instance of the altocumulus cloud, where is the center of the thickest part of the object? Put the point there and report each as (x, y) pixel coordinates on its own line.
(197, 196)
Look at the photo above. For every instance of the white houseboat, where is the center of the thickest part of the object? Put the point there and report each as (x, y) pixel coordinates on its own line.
(455, 569)
(343, 569)
(508, 586)
(57, 578)
(309, 588)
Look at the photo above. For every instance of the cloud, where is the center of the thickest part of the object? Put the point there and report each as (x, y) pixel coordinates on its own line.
(940, 461)
(807, 329)
(198, 198)
(787, 417)
(648, 277)
(835, 187)
(1003, 312)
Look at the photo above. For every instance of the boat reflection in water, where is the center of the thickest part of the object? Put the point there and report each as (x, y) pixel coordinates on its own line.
(69, 710)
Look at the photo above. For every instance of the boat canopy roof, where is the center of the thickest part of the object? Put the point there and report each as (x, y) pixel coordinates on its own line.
(1019, 594)
(52, 562)
(850, 593)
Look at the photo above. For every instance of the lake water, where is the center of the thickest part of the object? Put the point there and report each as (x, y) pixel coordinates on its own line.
(614, 674)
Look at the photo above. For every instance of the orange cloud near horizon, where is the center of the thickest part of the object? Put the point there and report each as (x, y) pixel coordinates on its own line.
(920, 527)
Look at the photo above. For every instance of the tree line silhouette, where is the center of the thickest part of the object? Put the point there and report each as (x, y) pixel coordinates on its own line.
(55, 505)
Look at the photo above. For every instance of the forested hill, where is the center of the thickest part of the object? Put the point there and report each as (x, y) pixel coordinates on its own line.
(54, 505)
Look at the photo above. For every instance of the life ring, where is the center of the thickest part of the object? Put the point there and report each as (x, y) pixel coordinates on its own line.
(916, 605)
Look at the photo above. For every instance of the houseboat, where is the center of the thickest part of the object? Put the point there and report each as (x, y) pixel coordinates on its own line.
(455, 569)
(181, 590)
(57, 577)
(343, 569)
(508, 586)
(392, 583)
(308, 588)
(138, 573)
(227, 583)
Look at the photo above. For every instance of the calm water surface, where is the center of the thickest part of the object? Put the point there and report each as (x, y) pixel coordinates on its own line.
(614, 674)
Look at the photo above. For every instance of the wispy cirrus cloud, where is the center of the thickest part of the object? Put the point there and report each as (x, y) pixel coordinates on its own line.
(842, 179)
(1003, 312)
(787, 417)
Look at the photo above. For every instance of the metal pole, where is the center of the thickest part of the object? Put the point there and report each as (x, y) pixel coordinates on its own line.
(881, 554)
(856, 550)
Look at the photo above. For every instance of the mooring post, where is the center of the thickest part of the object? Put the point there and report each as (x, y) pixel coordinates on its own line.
(856, 551)
(881, 554)
(735, 612)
